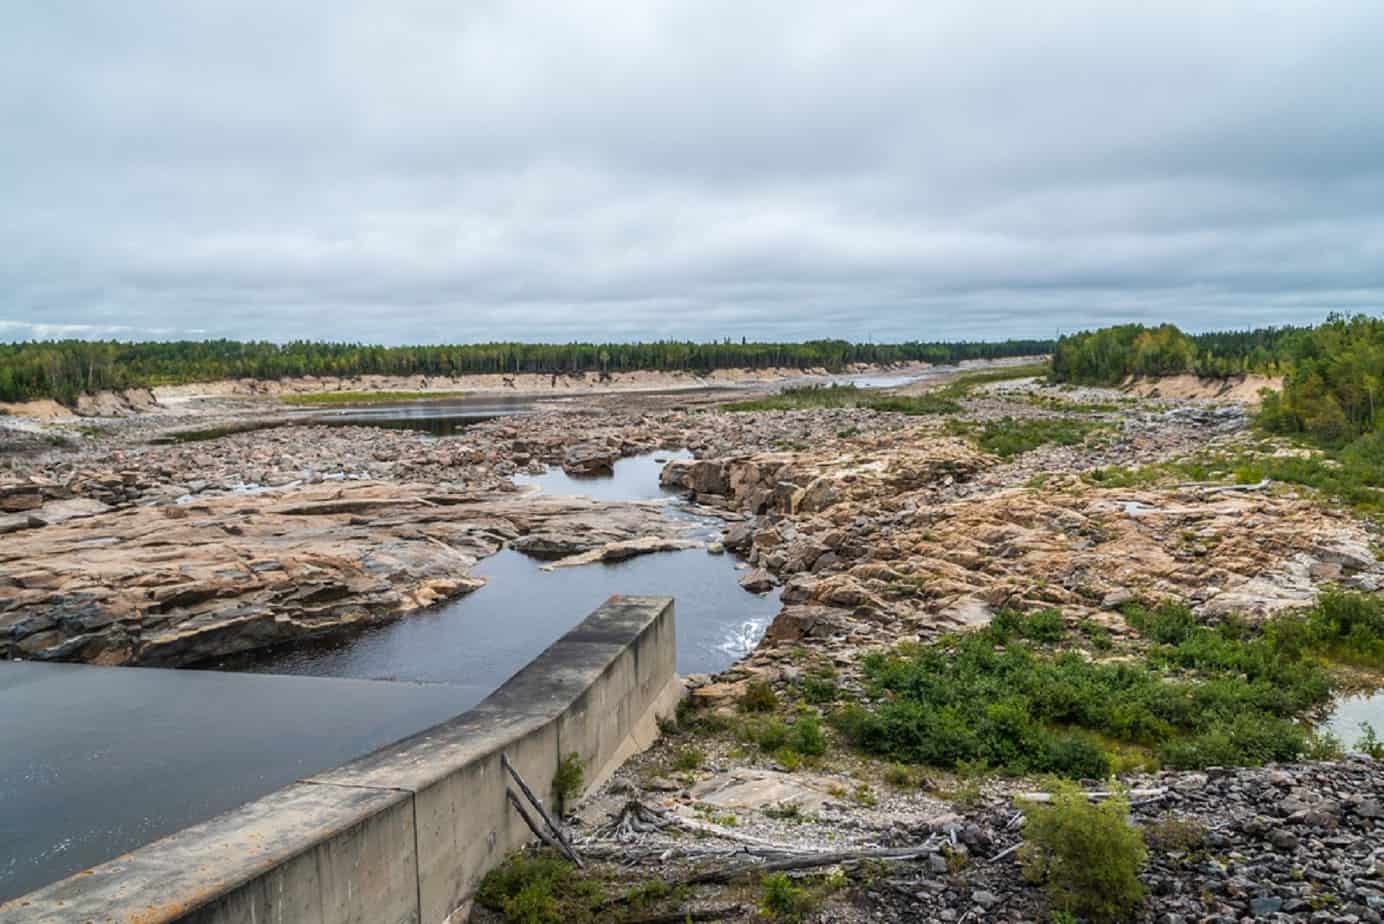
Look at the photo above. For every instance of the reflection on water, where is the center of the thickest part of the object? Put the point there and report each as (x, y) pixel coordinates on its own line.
(1350, 715)
(635, 479)
(97, 761)
(439, 418)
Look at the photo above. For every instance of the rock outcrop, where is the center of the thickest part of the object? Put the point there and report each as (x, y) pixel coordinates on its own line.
(176, 584)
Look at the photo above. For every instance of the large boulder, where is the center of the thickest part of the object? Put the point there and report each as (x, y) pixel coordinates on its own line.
(820, 494)
(758, 581)
(590, 459)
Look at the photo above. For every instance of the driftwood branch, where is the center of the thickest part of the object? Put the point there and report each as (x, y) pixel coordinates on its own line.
(1136, 796)
(809, 861)
(678, 917)
(1005, 852)
(542, 835)
(553, 826)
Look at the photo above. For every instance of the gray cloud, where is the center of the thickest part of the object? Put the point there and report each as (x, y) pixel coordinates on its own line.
(427, 170)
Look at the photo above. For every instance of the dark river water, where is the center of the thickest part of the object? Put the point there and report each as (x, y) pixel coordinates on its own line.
(97, 761)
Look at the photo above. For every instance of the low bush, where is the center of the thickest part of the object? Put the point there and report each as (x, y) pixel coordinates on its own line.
(1202, 695)
(568, 780)
(758, 697)
(807, 737)
(539, 888)
(688, 759)
(849, 396)
(1086, 856)
(781, 899)
(818, 687)
(1010, 437)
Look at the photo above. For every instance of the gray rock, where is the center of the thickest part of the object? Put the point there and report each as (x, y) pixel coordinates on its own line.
(985, 899)
(758, 581)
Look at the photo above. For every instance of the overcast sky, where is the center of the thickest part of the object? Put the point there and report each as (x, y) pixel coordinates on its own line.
(461, 170)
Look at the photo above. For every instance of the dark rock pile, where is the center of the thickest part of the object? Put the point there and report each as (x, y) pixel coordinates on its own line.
(1279, 843)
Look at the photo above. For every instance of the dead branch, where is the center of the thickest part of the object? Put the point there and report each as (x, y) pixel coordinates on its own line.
(553, 826)
(678, 917)
(809, 861)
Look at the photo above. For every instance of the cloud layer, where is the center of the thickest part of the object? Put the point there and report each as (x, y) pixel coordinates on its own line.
(419, 171)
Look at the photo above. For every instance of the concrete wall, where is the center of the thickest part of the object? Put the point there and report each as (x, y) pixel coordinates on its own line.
(404, 834)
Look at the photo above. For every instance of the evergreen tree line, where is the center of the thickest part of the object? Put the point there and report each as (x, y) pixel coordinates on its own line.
(1333, 374)
(1110, 355)
(65, 369)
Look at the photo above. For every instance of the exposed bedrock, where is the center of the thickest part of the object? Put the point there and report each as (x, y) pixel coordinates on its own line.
(175, 584)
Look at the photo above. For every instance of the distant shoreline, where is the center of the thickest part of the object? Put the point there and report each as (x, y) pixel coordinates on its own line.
(136, 401)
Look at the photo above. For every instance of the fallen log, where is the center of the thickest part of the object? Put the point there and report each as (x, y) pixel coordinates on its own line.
(809, 861)
(678, 917)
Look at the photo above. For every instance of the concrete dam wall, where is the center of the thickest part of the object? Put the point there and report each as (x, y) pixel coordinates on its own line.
(406, 833)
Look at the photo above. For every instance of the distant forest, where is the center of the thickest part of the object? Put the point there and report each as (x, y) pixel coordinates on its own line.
(1333, 385)
(1110, 355)
(65, 369)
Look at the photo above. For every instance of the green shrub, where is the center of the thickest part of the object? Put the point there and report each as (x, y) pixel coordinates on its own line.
(539, 888)
(758, 697)
(1044, 625)
(1098, 635)
(1166, 624)
(769, 734)
(818, 687)
(688, 759)
(807, 737)
(568, 780)
(1009, 437)
(1226, 694)
(783, 900)
(1244, 739)
(1369, 742)
(1087, 857)
(900, 777)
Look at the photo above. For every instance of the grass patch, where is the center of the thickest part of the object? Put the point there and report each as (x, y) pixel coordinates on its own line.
(335, 398)
(540, 887)
(1011, 698)
(1054, 403)
(967, 381)
(1009, 437)
(819, 687)
(847, 396)
(568, 780)
(1353, 475)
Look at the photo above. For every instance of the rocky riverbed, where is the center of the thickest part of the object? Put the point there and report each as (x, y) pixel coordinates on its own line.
(879, 528)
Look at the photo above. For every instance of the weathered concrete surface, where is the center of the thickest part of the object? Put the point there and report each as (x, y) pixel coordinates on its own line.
(320, 853)
(406, 833)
